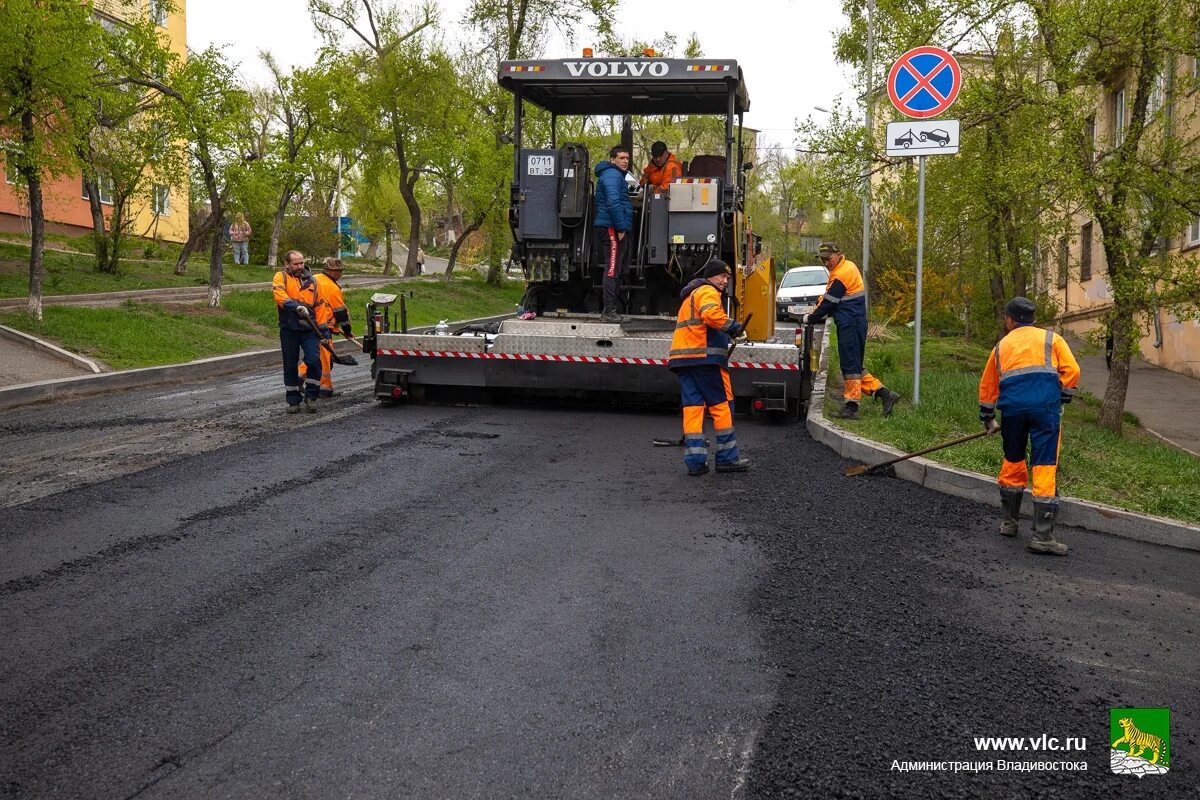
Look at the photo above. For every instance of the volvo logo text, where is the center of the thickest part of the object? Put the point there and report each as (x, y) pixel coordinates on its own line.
(618, 69)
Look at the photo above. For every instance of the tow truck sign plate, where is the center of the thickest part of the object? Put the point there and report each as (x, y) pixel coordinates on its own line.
(933, 137)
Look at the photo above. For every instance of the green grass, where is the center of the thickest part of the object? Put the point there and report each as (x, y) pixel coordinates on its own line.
(1133, 470)
(73, 273)
(148, 334)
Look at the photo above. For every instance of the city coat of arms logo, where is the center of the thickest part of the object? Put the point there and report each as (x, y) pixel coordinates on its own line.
(1141, 741)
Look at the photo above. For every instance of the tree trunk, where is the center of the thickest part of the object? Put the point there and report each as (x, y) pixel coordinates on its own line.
(496, 250)
(467, 231)
(116, 234)
(195, 236)
(99, 239)
(37, 244)
(1124, 333)
(277, 227)
(216, 270)
(387, 248)
(407, 191)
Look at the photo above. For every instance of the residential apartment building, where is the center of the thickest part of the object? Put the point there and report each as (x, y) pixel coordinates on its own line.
(162, 213)
(1077, 275)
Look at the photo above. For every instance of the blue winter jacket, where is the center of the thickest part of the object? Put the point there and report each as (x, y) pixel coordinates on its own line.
(614, 209)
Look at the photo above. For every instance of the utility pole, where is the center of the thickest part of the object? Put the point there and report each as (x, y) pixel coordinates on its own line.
(866, 170)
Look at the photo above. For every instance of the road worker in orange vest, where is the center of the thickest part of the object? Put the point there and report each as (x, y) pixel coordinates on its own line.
(699, 356)
(296, 299)
(845, 299)
(331, 313)
(1028, 378)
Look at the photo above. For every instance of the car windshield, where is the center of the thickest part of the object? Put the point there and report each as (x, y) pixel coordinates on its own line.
(804, 277)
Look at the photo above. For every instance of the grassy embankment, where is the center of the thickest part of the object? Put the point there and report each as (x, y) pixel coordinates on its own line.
(75, 272)
(147, 334)
(1134, 470)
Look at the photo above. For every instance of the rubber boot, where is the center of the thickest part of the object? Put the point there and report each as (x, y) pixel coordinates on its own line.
(888, 398)
(848, 411)
(1043, 540)
(1010, 505)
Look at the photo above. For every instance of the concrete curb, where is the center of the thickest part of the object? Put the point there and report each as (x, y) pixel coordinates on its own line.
(73, 359)
(981, 488)
(26, 393)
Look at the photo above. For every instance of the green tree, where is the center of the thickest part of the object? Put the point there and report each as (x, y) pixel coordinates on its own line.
(210, 115)
(128, 147)
(46, 85)
(1139, 186)
(399, 92)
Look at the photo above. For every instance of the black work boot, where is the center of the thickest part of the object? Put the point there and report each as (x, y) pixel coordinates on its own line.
(741, 465)
(888, 398)
(848, 411)
(612, 316)
(1043, 540)
(1010, 504)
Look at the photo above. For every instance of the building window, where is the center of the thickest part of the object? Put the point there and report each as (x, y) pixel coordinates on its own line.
(1158, 93)
(1118, 116)
(1085, 253)
(1193, 232)
(160, 203)
(1064, 259)
(158, 12)
(106, 190)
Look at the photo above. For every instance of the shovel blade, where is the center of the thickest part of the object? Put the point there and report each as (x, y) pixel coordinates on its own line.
(860, 469)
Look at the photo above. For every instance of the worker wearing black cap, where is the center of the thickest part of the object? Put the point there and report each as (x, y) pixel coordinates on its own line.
(699, 356)
(1029, 376)
(846, 299)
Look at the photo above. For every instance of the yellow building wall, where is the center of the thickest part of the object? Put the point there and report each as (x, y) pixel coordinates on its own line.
(1168, 342)
(173, 225)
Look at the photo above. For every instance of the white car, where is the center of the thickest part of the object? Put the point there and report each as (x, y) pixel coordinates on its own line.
(799, 291)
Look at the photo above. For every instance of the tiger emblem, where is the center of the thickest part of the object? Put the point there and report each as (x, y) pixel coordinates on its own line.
(1138, 741)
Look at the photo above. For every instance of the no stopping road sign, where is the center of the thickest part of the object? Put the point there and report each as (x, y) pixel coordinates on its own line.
(924, 82)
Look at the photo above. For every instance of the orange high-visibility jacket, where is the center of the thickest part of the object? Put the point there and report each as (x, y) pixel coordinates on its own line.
(701, 330)
(661, 177)
(291, 292)
(1030, 369)
(332, 312)
(845, 295)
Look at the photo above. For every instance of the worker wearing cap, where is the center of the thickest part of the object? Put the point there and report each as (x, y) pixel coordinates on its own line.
(1028, 377)
(331, 312)
(296, 299)
(845, 298)
(663, 168)
(699, 356)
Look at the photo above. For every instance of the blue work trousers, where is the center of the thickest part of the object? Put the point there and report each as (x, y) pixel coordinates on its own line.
(292, 343)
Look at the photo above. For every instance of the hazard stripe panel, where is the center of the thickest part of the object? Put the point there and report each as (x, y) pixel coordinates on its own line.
(708, 67)
(521, 68)
(662, 362)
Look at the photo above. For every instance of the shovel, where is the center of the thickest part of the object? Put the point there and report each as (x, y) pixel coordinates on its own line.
(345, 361)
(863, 469)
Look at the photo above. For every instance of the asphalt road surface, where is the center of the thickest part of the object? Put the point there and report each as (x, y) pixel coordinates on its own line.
(203, 597)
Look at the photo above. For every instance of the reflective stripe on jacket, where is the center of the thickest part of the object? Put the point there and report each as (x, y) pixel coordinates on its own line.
(291, 292)
(701, 329)
(1030, 369)
(845, 295)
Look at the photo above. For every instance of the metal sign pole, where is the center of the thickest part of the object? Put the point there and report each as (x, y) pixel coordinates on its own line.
(916, 398)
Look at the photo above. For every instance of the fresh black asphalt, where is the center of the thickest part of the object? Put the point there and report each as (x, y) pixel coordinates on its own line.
(534, 602)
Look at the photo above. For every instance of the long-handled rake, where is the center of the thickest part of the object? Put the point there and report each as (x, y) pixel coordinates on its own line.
(863, 469)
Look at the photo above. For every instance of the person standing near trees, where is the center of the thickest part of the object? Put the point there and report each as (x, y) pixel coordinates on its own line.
(1029, 376)
(239, 235)
(845, 298)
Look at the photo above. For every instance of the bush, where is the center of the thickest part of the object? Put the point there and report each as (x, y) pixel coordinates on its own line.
(313, 236)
